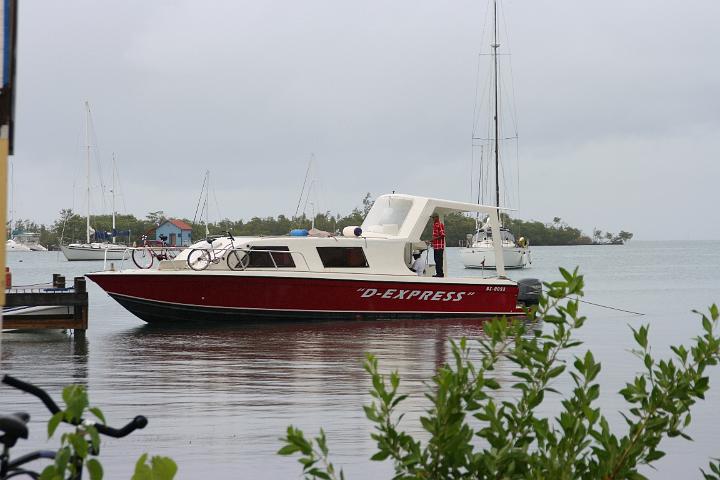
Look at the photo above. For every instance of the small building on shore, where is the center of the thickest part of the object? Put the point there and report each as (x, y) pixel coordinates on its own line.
(178, 233)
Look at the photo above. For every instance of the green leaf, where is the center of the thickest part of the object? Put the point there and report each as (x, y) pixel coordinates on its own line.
(160, 468)
(164, 468)
(288, 449)
(98, 413)
(95, 469)
(380, 456)
(54, 422)
(50, 473)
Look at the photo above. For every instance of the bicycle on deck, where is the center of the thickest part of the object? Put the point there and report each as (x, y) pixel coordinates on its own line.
(14, 427)
(202, 258)
(145, 256)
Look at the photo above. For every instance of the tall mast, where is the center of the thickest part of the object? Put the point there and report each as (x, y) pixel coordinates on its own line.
(495, 46)
(87, 146)
(113, 198)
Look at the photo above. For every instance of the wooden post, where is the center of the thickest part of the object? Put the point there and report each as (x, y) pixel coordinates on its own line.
(7, 114)
(58, 281)
(3, 206)
(80, 311)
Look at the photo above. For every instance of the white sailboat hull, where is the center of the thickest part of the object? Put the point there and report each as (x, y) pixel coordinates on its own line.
(484, 257)
(13, 246)
(94, 251)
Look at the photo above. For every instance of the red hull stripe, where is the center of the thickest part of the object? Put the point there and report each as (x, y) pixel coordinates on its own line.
(161, 313)
(314, 295)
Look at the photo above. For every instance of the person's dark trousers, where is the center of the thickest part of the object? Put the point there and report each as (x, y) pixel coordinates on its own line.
(439, 262)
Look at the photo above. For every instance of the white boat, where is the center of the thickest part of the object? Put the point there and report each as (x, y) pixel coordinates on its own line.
(29, 239)
(479, 251)
(365, 273)
(13, 246)
(94, 250)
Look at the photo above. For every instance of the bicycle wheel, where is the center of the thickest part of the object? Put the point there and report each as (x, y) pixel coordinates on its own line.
(143, 258)
(238, 260)
(171, 252)
(198, 259)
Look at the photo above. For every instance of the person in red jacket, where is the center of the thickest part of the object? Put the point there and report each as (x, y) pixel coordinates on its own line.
(438, 244)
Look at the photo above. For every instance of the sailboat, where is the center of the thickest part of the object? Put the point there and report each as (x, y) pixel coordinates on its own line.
(93, 250)
(479, 251)
(20, 241)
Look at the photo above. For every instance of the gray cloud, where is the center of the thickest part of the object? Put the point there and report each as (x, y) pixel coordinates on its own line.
(617, 105)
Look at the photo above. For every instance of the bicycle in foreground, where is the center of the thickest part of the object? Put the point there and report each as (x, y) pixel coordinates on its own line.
(15, 426)
(145, 256)
(202, 258)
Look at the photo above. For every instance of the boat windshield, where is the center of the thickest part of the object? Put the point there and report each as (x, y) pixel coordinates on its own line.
(387, 215)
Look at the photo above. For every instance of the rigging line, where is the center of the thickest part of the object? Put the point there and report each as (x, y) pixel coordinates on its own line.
(480, 101)
(475, 102)
(486, 21)
(513, 103)
(517, 165)
(472, 171)
(307, 197)
(93, 135)
(119, 187)
(511, 98)
(202, 190)
(217, 205)
(307, 172)
(501, 138)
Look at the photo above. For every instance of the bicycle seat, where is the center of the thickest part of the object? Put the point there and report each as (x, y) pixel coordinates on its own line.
(210, 239)
(12, 427)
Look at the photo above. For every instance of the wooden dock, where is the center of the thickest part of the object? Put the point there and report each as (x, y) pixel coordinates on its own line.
(75, 299)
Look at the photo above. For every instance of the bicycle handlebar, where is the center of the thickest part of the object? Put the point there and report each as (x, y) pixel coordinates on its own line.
(33, 390)
(211, 238)
(134, 424)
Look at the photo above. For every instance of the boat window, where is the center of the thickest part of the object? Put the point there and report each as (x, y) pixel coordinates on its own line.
(264, 259)
(387, 215)
(342, 257)
(507, 236)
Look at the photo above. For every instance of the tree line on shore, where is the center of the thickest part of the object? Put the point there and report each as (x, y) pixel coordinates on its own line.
(70, 227)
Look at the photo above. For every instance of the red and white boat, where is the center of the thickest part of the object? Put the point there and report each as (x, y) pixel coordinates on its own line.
(363, 274)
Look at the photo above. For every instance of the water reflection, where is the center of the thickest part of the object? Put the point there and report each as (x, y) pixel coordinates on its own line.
(317, 357)
(45, 354)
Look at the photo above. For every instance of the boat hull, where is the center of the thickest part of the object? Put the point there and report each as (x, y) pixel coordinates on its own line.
(83, 253)
(178, 297)
(474, 257)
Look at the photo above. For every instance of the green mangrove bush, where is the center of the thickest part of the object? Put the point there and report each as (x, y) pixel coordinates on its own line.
(473, 433)
(77, 446)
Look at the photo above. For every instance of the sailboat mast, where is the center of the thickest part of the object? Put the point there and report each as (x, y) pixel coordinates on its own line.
(495, 46)
(87, 147)
(113, 199)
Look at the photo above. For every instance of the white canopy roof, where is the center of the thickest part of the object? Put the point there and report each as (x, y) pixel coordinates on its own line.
(405, 216)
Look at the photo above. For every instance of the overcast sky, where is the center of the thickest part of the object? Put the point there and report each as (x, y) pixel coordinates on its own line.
(618, 106)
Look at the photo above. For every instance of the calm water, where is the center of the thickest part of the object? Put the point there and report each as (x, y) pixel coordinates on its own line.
(218, 399)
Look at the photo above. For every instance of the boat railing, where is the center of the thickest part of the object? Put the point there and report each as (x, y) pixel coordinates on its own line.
(158, 251)
(217, 256)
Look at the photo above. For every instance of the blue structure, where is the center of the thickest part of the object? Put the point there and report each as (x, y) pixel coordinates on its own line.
(178, 233)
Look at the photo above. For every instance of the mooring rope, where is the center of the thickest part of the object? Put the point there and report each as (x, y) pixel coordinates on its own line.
(605, 306)
(609, 307)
